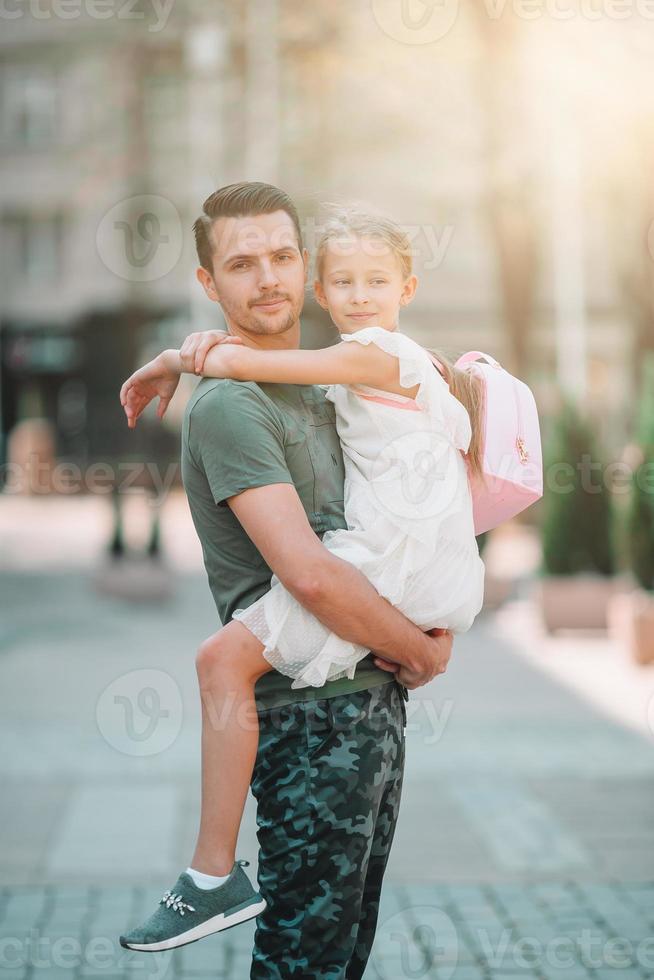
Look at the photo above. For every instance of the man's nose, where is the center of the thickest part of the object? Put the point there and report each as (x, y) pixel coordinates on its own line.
(268, 277)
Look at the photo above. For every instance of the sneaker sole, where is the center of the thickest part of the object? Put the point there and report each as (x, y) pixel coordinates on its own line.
(218, 923)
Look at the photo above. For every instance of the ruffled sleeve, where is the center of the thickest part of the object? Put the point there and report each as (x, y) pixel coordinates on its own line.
(417, 368)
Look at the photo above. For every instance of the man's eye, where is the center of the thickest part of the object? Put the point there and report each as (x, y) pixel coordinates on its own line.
(240, 265)
(284, 258)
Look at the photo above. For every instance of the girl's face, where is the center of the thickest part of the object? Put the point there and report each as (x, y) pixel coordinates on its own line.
(362, 284)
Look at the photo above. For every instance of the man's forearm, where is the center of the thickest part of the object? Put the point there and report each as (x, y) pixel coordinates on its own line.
(344, 600)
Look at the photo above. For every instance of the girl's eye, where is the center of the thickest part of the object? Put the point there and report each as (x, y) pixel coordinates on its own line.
(341, 282)
(379, 282)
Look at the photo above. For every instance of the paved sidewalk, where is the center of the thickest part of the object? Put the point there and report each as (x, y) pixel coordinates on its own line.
(527, 812)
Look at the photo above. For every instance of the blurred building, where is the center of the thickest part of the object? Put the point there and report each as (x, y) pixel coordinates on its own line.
(516, 164)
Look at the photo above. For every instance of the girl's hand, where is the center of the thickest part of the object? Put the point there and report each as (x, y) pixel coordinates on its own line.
(156, 378)
(196, 346)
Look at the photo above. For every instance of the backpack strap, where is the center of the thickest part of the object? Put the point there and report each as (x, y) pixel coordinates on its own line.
(474, 355)
(467, 358)
(437, 364)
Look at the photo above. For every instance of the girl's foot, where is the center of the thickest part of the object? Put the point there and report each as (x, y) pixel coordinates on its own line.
(188, 913)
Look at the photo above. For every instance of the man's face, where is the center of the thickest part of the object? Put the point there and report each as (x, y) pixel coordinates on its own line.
(259, 273)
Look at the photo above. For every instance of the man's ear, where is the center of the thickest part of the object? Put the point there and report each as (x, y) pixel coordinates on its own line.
(409, 290)
(206, 281)
(319, 293)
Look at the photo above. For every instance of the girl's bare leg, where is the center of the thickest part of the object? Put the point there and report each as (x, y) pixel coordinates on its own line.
(228, 665)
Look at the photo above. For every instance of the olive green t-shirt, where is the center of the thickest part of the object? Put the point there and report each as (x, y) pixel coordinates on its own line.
(238, 435)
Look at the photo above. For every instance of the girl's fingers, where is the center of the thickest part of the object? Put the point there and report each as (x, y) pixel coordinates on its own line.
(200, 354)
(189, 344)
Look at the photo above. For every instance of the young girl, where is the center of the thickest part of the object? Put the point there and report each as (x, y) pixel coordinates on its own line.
(409, 436)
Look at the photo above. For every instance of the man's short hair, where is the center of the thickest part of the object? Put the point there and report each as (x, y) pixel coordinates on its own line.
(247, 198)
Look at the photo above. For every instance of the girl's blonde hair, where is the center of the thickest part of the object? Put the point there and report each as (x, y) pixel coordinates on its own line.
(344, 223)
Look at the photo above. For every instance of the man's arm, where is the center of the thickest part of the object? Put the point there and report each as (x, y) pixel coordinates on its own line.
(334, 591)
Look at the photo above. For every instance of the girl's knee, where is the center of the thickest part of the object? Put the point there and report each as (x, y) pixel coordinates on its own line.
(230, 653)
(213, 654)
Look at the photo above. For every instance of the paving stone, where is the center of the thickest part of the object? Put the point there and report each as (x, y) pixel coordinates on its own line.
(615, 974)
(566, 975)
(511, 975)
(461, 973)
(508, 825)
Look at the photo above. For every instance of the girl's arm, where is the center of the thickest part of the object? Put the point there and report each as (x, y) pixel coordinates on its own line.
(344, 363)
(160, 376)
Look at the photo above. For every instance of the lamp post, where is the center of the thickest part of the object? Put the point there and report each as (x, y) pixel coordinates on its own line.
(263, 94)
(567, 240)
(205, 50)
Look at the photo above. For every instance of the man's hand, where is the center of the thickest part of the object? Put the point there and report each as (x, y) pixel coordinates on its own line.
(335, 592)
(197, 345)
(156, 378)
(442, 641)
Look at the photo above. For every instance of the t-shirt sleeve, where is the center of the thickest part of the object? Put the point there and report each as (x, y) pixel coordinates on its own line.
(236, 439)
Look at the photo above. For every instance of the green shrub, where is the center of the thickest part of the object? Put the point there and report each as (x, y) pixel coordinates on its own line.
(577, 532)
(640, 523)
(640, 512)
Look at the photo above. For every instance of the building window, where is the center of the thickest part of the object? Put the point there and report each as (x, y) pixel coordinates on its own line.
(29, 105)
(34, 248)
(164, 110)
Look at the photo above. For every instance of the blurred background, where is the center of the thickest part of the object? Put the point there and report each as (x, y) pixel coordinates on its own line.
(514, 141)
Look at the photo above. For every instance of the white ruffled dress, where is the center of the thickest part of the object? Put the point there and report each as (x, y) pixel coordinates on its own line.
(409, 518)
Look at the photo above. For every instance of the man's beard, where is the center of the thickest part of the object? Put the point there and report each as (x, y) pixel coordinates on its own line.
(261, 325)
(250, 321)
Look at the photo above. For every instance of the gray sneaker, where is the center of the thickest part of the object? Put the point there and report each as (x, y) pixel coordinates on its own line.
(187, 913)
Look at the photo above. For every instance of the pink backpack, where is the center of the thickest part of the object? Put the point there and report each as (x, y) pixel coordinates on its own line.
(512, 456)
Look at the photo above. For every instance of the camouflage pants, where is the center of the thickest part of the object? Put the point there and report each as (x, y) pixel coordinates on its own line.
(327, 780)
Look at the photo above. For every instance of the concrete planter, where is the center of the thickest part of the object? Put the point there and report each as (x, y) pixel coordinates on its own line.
(496, 591)
(631, 624)
(575, 601)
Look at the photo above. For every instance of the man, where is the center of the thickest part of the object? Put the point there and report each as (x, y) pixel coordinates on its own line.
(263, 471)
